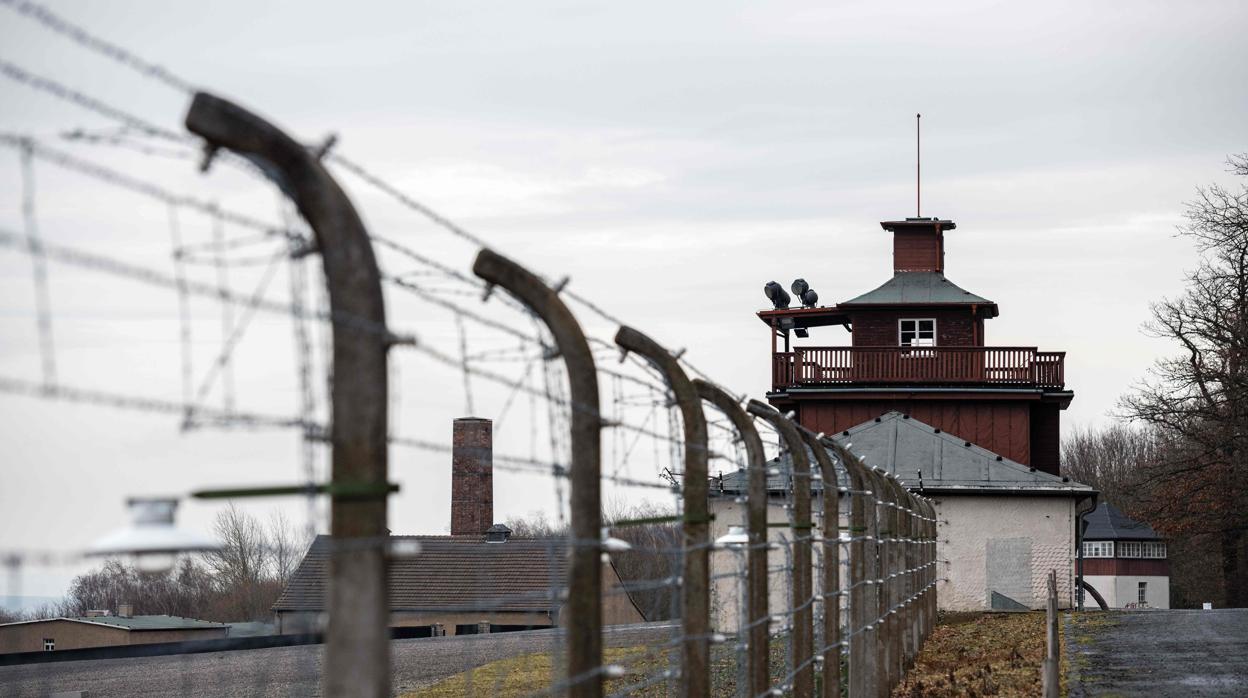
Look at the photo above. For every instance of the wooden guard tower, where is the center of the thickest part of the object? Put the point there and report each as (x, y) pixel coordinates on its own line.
(919, 348)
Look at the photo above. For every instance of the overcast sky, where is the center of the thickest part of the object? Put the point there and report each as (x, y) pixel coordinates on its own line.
(669, 157)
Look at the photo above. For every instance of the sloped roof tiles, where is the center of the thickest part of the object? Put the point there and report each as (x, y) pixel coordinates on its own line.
(449, 574)
(1107, 522)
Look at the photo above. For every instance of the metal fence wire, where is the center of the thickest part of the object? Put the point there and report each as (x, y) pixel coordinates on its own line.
(642, 574)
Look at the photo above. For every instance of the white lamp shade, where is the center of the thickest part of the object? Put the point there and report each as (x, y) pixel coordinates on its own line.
(735, 536)
(152, 532)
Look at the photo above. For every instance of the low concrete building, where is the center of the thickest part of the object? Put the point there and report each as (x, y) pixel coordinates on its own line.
(1124, 561)
(478, 579)
(1001, 524)
(77, 632)
(456, 585)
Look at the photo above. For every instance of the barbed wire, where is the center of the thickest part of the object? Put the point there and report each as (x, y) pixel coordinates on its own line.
(645, 412)
(76, 33)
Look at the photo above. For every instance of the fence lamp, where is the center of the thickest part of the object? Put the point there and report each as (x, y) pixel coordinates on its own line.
(734, 538)
(610, 544)
(151, 540)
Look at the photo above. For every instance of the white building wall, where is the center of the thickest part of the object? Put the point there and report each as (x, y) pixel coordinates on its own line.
(1002, 543)
(725, 591)
(985, 543)
(1121, 591)
(1005, 544)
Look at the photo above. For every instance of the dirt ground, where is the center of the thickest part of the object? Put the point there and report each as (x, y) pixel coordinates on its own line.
(979, 654)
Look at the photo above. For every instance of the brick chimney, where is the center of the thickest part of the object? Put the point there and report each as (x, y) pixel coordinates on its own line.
(472, 476)
(125, 610)
(918, 244)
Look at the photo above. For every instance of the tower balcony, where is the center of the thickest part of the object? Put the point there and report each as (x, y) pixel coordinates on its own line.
(918, 366)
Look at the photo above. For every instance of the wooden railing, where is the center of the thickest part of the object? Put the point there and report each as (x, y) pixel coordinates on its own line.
(1022, 366)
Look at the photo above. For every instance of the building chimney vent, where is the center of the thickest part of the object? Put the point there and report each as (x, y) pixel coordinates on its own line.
(918, 244)
(498, 533)
(472, 476)
(125, 610)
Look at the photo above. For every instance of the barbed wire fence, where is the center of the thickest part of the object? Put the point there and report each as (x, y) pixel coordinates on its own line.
(645, 581)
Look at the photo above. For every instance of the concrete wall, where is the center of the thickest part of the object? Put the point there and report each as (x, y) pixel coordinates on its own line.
(725, 590)
(68, 634)
(1005, 544)
(1002, 543)
(1120, 591)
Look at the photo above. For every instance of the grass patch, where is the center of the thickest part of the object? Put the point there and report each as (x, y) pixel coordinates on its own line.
(527, 674)
(979, 654)
(514, 676)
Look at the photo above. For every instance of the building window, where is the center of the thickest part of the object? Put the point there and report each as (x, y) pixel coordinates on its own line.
(1143, 593)
(49, 644)
(1155, 550)
(1098, 548)
(1130, 549)
(917, 333)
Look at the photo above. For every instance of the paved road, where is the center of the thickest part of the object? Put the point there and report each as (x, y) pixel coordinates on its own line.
(284, 671)
(1159, 653)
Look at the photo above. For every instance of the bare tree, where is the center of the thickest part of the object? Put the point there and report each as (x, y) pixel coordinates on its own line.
(1114, 459)
(287, 545)
(647, 570)
(1198, 398)
(244, 556)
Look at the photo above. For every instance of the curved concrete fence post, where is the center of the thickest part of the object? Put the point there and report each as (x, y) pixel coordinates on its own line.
(802, 641)
(357, 639)
(830, 540)
(695, 678)
(584, 607)
(757, 636)
(863, 661)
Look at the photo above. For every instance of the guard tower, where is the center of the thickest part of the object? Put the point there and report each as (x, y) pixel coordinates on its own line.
(918, 347)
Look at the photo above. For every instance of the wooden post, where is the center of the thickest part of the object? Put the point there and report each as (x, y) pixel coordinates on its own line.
(357, 642)
(803, 619)
(584, 622)
(757, 614)
(1051, 678)
(695, 678)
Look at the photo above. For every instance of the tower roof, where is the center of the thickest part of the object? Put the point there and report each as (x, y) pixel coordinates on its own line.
(920, 288)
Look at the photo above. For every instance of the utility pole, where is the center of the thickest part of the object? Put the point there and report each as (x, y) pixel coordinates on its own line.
(357, 641)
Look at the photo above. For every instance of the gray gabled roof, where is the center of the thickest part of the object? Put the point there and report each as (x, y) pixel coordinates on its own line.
(917, 453)
(1106, 522)
(138, 622)
(449, 574)
(918, 287)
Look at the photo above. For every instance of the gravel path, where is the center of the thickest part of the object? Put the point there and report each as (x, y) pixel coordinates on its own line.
(285, 671)
(1159, 653)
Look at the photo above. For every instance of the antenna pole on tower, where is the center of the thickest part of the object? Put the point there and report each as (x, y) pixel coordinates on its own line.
(918, 168)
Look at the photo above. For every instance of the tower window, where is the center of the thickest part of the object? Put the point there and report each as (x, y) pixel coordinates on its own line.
(917, 332)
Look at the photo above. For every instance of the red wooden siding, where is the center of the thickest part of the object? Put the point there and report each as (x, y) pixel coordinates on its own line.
(1001, 427)
(1118, 566)
(918, 251)
(878, 328)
